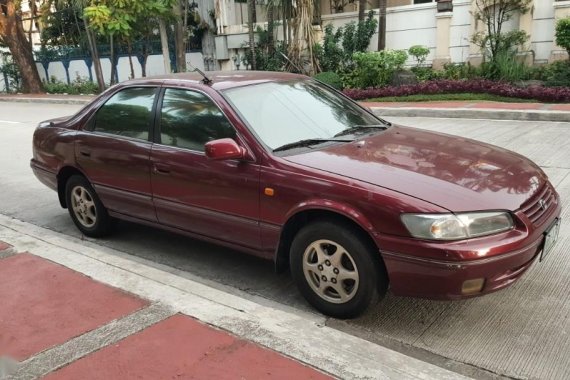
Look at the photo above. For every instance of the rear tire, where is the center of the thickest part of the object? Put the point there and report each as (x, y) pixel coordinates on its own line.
(85, 208)
(334, 268)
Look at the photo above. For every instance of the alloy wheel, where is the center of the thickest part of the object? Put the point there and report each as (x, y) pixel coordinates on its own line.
(330, 271)
(83, 206)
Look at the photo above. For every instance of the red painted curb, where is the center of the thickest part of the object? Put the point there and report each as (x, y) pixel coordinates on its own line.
(44, 304)
(181, 347)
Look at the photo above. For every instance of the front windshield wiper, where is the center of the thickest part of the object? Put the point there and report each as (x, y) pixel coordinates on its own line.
(360, 128)
(308, 142)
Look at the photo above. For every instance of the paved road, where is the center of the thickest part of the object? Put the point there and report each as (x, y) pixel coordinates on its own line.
(521, 332)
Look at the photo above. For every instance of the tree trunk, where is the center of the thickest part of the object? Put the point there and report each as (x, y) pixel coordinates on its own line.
(130, 52)
(113, 66)
(251, 25)
(94, 56)
(164, 43)
(361, 9)
(270, 22)
(179, 38)
(13, 35)
(382, 26)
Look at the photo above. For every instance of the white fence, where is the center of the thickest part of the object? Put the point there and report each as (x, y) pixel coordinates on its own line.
(78, 68)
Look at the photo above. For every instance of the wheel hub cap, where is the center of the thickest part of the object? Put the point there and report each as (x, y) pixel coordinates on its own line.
(330, 271)
(83, 206)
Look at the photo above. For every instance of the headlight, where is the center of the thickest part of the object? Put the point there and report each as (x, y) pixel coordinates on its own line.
(456, 226)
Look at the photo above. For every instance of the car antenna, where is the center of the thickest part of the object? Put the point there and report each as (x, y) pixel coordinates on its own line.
(205, 80)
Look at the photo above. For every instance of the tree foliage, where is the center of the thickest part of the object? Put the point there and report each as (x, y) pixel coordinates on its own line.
(420, 53)
(336, 52)
(118, 17)
(563, 34)
(494, 14)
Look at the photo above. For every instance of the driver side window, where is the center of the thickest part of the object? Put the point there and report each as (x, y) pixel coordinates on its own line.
(189, 119)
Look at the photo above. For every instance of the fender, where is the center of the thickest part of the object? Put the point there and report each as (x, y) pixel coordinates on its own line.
(283, 236)
(64, 172)
(337, 207)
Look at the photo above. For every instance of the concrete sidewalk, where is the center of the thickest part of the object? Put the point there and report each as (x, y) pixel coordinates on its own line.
(70, 310)
(457, 109)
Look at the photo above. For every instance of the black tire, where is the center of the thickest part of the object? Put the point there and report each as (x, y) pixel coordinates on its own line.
(92, 227)
(371, 273)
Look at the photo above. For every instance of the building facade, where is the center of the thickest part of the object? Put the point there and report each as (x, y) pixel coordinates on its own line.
(445, 28)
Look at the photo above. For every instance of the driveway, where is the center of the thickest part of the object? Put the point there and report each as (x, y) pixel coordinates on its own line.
(520, 332)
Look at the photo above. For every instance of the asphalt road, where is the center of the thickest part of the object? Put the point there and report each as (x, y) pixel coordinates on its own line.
(521, 332)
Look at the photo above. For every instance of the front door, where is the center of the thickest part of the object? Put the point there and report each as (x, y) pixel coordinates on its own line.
(217, 199)
(114, 152)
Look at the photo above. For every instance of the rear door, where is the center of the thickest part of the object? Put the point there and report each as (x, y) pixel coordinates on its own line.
(217, 199)
(114, 151)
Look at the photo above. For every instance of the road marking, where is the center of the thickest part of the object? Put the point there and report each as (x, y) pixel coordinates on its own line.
(10, 122)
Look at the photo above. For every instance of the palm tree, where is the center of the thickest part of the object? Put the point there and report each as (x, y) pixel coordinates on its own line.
(250, 25)
(382, 26)
(270, 22)
(361, 9)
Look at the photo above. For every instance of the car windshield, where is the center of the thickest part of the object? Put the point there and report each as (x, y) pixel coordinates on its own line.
(283, 113)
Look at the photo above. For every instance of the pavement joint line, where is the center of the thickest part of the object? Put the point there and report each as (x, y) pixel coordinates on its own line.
(59, 356)
(308, 341)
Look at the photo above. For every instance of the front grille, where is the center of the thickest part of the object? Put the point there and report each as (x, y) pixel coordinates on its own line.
(538, 206)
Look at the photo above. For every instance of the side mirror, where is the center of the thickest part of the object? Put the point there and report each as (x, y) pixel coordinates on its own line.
(224, 149)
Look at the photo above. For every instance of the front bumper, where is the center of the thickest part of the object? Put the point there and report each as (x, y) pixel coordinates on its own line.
(438, 270)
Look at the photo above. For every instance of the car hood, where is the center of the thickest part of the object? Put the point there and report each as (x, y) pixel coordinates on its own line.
(452, 172)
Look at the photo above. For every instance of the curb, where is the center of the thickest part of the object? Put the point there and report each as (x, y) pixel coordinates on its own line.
(42, 100)
(445, 113)
(302, 337)
(467, 113)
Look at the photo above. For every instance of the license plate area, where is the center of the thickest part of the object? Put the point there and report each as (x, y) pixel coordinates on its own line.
(550, 238)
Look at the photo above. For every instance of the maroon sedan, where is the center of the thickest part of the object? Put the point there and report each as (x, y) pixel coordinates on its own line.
(284, 167)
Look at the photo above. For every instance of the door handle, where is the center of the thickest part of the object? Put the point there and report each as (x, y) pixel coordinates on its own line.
(85, 153)
(161, 169)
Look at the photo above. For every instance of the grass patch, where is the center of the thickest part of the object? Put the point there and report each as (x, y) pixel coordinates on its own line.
(451, 97)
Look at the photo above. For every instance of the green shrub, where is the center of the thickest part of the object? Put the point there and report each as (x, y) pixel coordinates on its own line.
(558, 74)
(335, 53)
(563, 33)
(427, 73)
(373, 69)
(78, 86)
(460, 71)
(420, 53)
(330, 78)
(11, 72)
(537, 73)
(506, 66)
(357, 37)
(330, 54)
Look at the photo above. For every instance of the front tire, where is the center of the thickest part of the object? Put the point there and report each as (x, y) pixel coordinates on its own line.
(335, 270)
(85, 208)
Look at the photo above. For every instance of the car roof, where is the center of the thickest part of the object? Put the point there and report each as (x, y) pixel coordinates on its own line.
(221, 80)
